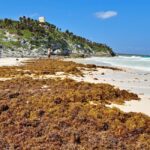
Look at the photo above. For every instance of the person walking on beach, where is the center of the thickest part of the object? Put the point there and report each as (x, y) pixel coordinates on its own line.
(49, 52)
(1, 50)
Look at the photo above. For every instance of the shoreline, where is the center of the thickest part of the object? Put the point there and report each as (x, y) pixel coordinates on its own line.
(129, 79)
(89, 60)
(133, 80)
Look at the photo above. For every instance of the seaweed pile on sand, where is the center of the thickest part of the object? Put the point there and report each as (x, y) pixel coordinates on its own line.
(43, 67)
(65, 114)
(39, 67)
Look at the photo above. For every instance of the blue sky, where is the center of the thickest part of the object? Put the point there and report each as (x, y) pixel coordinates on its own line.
(122, 24)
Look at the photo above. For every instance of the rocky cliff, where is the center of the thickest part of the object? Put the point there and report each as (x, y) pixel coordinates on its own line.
(30, 38)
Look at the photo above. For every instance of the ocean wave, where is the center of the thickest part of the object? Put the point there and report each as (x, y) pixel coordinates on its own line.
(135, 62)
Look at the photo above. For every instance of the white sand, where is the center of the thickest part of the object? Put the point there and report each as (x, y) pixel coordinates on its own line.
(135, 81)
(11, 61)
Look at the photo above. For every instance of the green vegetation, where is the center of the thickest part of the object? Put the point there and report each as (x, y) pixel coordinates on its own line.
(48, 35)
(11, 44)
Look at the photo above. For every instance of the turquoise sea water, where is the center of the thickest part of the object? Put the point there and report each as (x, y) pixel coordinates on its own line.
(129, 61)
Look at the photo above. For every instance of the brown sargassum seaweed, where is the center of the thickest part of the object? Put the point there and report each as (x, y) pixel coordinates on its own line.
(57, 114)
(47, 67)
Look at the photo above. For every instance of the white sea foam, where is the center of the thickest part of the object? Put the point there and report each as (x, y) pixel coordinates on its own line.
(133, 62)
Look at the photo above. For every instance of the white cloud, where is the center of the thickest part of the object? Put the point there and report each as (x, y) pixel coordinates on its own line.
(106, 14)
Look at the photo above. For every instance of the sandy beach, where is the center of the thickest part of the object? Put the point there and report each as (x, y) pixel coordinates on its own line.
(43, 102)
(12, 61)
(133, 80)
(74, 75)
